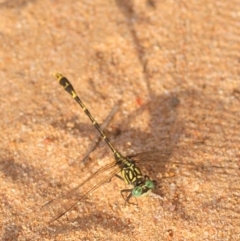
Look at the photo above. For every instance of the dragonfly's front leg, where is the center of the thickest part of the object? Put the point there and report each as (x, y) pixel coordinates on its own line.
(128, 197)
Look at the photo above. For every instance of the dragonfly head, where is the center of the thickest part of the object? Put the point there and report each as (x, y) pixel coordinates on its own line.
(143, 189)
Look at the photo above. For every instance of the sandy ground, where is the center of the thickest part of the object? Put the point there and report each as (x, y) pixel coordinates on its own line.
(175, 65)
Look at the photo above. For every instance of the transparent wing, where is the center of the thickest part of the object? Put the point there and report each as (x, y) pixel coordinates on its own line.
(61, 205)
(195, 155)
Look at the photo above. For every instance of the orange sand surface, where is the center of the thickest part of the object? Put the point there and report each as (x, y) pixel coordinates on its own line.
(175, 67)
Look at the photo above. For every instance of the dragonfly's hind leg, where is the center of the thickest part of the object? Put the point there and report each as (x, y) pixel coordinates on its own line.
(120, 177)
(116, 175)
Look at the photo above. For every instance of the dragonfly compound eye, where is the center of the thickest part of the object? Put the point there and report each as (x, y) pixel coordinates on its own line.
(149, 184)
(137, 191)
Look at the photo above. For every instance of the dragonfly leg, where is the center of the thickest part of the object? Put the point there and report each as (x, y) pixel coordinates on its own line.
(128, 197)
(120, 177)
(116, 175)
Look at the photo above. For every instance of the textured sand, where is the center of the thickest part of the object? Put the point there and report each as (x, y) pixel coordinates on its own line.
(175, 65)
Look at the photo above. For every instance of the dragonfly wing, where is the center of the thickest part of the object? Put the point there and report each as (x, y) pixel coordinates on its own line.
(60, 205)
(188, 156)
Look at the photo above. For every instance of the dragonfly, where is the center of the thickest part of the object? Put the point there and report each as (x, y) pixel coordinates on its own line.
(124, 167)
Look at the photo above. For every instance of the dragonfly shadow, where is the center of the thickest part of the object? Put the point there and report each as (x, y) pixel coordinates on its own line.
(86, 223)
